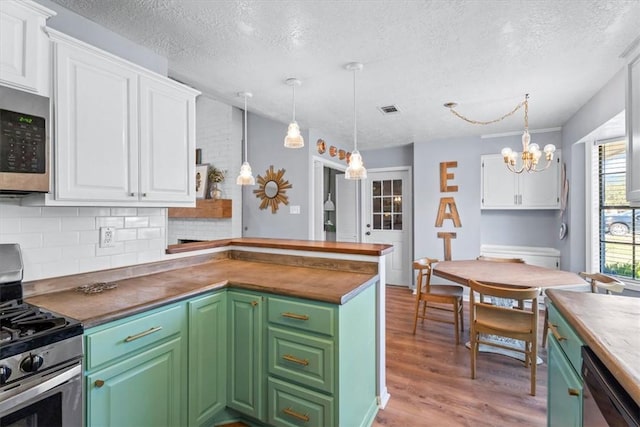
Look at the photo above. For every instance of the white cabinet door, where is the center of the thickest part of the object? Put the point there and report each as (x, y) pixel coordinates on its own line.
(167, 141)
(633, 128)
(96, 138)
(24, 58)
(499, 185)
(503, 189)
(541, 190)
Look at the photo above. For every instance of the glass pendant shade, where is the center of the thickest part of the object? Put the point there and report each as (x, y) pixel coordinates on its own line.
(356, 169)
(293, 138)
(328, 205)
(246, 176)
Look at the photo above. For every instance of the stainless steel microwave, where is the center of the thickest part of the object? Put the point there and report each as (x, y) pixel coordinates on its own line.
(24, 142)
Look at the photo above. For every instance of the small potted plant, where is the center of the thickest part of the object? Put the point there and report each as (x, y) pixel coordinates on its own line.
(216, 176)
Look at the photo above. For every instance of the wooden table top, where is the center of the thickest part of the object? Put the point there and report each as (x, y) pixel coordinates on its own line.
(505, 274)
(609, 325)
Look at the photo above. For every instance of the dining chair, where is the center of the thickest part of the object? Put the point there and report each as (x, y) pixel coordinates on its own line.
(515, 322)
(436, 297)
(597, 282)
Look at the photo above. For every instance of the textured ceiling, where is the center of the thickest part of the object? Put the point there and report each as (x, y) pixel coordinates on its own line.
(483, 54)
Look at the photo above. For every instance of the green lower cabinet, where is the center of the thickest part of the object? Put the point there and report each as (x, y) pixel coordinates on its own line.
(291, 405)
(246, 382)
(207, 357)
(143, 390)
(564, 390)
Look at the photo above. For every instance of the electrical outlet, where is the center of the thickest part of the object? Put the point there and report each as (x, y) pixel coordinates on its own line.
(295, 210)
(107, 237)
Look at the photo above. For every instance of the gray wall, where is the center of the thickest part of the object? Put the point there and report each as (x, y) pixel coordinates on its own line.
(388, 157)
(265, 148)
(533, 228)
(604, 105)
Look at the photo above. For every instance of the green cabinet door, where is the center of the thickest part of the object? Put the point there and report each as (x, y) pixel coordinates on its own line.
(564, 396)
(245, 374)
(143, 390)
(207, 357)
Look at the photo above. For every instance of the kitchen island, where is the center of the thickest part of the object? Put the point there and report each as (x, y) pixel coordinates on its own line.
(270, 272)
(608, 325)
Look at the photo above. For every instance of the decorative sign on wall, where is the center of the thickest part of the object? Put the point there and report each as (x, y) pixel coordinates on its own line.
(447, 208)
(271, 189)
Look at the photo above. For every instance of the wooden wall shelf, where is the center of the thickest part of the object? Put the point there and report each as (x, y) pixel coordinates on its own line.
(205, 208)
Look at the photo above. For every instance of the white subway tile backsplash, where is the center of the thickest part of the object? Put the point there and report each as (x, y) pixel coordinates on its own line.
(110, 221)
(59, 211)
(41, 255)
(39, 225)
(115, 250)
(89, 236)
(152, 212)
(136, 246)
(94, 264)
(9, 225)
(62, 267)
(136, 221)
(79, 223)
(149, 256)
(124, 260)
(149, 233)
(25, 240)
(123, 234)
(94, 211)
(60, 239)
(158, 221)
(124, 211)
(79, 251)
(14, 210)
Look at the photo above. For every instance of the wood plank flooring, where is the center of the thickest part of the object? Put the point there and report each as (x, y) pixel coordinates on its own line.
(428, 377)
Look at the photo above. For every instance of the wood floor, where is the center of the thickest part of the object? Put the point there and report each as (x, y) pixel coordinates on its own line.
(428, 377)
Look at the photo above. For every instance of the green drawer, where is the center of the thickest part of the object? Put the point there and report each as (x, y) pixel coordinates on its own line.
(132, 334)
(305, 315)
(566, 337)
(301, 358)
(293, 406)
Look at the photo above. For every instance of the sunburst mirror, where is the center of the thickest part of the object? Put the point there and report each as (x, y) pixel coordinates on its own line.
(271, 189)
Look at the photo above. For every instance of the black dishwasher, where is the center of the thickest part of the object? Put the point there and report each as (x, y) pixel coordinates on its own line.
(604, 397)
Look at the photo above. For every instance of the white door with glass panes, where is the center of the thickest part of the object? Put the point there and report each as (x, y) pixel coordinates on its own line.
(387, 219)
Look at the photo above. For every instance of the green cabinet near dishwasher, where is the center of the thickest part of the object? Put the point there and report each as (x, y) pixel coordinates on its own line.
(564, 388)
(276, 360)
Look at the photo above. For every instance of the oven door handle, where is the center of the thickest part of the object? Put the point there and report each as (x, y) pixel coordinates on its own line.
(37, 389)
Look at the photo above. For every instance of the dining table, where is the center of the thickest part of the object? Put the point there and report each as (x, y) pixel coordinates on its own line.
(506, 274)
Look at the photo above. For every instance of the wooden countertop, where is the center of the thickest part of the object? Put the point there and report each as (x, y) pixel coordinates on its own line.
(372, 249)
(136, 294)
(610, 326)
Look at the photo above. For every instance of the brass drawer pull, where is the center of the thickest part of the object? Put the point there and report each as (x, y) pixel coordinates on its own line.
(290, 358)
(142, 334)
(298, 415)
(295, 316)
(254, 303)
(573, 392)
(98, 383)
(555, 332)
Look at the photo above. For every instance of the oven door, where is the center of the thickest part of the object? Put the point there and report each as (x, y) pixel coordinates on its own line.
(52, 399)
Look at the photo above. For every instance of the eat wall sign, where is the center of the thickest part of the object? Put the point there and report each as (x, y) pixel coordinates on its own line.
(447, 209)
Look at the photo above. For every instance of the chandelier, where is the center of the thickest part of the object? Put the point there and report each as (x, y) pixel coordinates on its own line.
(531, 153)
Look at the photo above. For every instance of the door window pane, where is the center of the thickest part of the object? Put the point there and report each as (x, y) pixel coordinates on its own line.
(386, 198)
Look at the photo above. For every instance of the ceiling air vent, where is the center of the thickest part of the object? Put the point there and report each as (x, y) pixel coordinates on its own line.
(389, 109)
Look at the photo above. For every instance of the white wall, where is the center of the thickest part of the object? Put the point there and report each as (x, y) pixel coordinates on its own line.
(218, 136)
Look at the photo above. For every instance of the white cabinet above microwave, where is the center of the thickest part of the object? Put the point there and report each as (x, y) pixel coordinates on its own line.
(24, 50)
(123, 136)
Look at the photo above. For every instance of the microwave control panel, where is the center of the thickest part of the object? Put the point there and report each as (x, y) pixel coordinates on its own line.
(22, 143)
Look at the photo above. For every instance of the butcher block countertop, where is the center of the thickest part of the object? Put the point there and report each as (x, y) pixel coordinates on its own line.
(372, 249)
(610, 326)
(137, 294)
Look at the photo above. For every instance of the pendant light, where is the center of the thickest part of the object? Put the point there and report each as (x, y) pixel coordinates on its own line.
(356, 169)
(245, 177)
(328, 205)
(293, 138)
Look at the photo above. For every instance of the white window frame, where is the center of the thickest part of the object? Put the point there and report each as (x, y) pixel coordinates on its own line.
(591, 209)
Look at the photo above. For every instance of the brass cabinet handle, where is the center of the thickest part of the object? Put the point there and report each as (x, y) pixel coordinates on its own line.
(573, 392)
(254, 303)
(98, 383)
(555, 332)
(142, 334)
(298, 415)
(295, 316)
(290, 358)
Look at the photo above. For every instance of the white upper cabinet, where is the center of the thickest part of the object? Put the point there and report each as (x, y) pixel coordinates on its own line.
(633, 127)
(123, 136)
(503, 189)
(24, 50)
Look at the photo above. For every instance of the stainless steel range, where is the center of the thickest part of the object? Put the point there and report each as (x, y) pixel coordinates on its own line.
(40, 356)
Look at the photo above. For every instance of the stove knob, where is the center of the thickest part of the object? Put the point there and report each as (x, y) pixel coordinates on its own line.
(31, 363)
(5, 373)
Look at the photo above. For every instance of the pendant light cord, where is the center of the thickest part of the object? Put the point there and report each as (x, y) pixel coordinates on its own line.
(245, 127)
(355, 127)
(293, 86)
